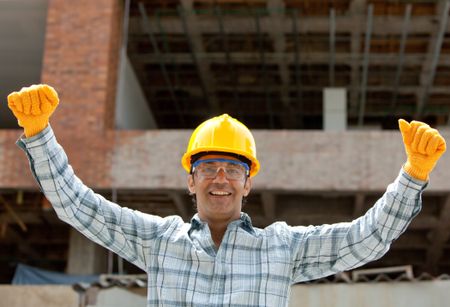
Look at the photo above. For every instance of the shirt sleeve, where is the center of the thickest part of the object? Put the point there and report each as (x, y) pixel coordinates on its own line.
(319, 251)
(129, 233)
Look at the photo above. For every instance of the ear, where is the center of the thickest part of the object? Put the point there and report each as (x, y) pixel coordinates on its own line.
(191, 184)
(247, 186)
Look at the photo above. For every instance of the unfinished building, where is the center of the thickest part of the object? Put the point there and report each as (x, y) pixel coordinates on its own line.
(135, 77)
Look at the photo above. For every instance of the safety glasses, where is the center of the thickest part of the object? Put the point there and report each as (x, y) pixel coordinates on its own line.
(208, 168)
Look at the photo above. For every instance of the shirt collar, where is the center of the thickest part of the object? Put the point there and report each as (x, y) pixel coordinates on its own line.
(244, 222)
(196, 222)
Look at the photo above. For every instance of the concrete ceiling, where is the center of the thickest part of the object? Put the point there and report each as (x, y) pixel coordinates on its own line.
(22, 35)
(267, 62)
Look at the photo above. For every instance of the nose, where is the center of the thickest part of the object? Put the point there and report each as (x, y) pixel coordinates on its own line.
(221, 176)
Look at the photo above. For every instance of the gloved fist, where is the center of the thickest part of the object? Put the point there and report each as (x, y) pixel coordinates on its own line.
(32, 106)
(423, 145)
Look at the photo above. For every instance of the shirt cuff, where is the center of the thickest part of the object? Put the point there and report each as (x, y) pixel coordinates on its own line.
(38, 145)
(409, 185)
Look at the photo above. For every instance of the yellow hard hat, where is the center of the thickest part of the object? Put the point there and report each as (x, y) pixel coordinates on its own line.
(222, 134)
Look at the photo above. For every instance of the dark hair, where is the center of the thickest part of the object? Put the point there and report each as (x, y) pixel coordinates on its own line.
(204, 153)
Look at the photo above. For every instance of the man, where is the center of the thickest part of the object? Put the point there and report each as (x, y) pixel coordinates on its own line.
(219, 258)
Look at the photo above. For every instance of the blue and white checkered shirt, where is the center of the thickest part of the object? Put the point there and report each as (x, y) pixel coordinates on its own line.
(252, 267)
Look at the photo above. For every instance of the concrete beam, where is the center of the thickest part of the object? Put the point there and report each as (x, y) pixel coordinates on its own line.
(276, 10)
(196, 92)
(85, 256)
(411, 240)
(29, 217)
(359, 205)
(365, 65)
(357, 12)
(24, 246)
(12, 213)
(432, 57)
(376, 59)
(382, 25)
(401, 55)
(194, 35)
(180, 205)
(424, 222)
(268, 203)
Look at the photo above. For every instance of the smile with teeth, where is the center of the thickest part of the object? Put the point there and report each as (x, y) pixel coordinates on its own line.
(219, 193)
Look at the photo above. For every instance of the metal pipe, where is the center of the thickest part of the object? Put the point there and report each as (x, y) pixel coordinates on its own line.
(119, 259)
(332, 45)
(230, 66)
(193, 55)
(263, 65)
(297, 66)
(146, 25)
(401, 55)
(362, 103)
(167, 49)
(434, 61)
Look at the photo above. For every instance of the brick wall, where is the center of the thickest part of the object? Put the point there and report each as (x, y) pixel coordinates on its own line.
(80, 61)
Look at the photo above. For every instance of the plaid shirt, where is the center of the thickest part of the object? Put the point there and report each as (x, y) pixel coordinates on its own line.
(252, 267)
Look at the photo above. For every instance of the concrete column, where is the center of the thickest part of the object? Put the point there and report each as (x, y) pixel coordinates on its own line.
(132, 110)
(85, 256)
(334, 109)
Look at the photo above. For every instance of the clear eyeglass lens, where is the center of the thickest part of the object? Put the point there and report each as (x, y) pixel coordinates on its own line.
(210, 170)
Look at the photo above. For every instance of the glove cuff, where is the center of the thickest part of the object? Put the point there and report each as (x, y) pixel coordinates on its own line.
(34, 129)
(416, 172)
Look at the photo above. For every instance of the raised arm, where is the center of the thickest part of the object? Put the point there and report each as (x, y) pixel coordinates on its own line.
(319, 251)
(129, 233)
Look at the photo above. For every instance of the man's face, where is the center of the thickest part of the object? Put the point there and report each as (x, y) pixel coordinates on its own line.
(218, 197)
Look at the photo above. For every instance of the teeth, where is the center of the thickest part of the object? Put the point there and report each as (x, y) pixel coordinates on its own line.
(220, 193)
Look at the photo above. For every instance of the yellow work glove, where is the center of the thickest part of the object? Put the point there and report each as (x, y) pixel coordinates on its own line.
(32, 106)
(423, 145)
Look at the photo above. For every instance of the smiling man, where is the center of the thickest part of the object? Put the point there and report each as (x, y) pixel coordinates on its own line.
(219, 258)
(220, 158)
(219, 183)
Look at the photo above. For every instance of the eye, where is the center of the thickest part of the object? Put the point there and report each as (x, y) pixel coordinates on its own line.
(209, 169)
(233, 170)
